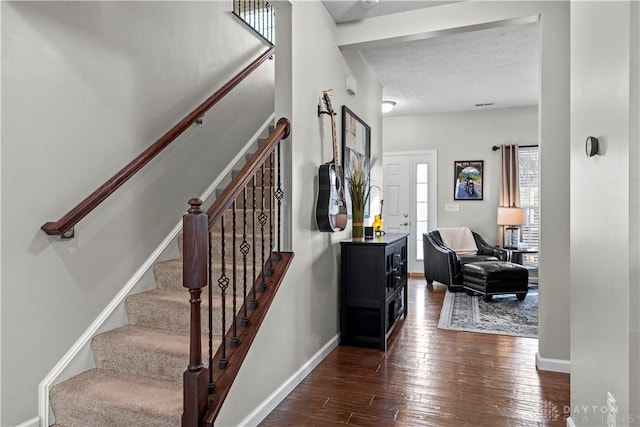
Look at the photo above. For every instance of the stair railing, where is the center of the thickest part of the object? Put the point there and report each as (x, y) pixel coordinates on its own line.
(241, 217)
(258, 15)
(65, 226)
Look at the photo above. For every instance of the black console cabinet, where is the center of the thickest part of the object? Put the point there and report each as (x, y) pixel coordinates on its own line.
(373, 289)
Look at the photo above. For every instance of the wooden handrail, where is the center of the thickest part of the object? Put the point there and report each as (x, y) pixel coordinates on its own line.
(65, 224)
(224, 200)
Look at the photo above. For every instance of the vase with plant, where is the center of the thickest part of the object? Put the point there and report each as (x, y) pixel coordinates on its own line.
(358, 185)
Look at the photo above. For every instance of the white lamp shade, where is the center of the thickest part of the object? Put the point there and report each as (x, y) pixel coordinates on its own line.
(511, 216)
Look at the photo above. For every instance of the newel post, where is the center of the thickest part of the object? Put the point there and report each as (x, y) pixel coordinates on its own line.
(194, 278)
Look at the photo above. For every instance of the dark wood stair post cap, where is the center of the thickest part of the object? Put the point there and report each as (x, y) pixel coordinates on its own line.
(195, 204)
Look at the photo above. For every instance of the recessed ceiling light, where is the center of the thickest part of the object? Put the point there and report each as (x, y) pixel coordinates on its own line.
(387, 106)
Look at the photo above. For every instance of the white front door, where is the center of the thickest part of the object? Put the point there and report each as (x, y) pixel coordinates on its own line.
(410, 199)
(396, 195)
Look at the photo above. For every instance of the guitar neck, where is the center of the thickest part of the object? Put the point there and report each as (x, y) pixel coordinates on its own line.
(332, 114)
(335, 142)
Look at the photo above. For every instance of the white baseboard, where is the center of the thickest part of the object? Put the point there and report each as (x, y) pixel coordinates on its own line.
(270, 403)
(554, 365)
(33, 422)
(570, 422)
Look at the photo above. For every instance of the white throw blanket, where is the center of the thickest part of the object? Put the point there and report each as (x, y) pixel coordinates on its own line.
(459, 239)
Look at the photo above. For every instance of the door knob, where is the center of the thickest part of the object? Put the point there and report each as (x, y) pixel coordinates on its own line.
(405, 224)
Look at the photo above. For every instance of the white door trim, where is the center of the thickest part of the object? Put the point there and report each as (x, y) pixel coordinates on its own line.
(434, 214)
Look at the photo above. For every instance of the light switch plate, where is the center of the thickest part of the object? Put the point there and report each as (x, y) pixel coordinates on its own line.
(451, 207)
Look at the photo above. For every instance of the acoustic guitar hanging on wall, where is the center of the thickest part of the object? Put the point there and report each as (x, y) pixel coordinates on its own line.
(331, 207)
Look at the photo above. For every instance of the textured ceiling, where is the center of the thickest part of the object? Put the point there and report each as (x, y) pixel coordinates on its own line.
(345, 11)
(452, 72)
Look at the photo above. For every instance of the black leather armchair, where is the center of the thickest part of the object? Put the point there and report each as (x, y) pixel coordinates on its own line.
(445, 266)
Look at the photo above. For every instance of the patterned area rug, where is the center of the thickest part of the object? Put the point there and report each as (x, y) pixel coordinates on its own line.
(505, 315)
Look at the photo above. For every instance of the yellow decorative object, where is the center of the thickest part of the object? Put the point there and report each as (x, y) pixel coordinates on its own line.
(378, 221)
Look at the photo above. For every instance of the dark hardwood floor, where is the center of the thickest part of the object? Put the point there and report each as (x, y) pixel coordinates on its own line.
(429, 377)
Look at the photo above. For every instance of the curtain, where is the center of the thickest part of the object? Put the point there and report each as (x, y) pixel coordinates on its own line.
(509, 194)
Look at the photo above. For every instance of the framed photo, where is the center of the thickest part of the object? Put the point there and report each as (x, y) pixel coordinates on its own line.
(356, 145)
(467, 175)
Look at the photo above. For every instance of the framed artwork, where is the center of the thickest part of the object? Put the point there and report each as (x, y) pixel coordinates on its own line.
(467, 175)
(356, 145)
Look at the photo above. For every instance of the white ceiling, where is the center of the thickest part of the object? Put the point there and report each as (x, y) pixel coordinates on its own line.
(452, 72)
(354, 10)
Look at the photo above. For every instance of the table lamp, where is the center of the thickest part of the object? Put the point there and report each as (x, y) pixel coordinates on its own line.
(511, 218)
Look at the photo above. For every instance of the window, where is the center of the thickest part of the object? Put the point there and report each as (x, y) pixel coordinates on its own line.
(422, 206)
(529, 158)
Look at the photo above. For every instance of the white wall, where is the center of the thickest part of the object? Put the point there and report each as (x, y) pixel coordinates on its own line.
(304, 315)
(464, 136)
(553, 133)
(604, 210)
(85, 88)
(634, 206)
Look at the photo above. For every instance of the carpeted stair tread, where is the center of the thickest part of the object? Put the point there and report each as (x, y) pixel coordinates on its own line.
(258, 201)
(100, 397)
(147, 352)
(216, 235)
(216, 250)
(169, 309)
(168, 274)
(217, 226)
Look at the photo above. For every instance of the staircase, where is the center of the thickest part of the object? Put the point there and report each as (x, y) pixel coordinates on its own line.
(138, 378)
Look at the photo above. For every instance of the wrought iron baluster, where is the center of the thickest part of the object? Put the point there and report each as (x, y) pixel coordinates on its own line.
(211, 385)
(223, 284)
(234, 323)
(253, 17)
(257, 14)
(254, 301)
(271, 166)
(244, 249)
(279, 196)
(262, 218)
